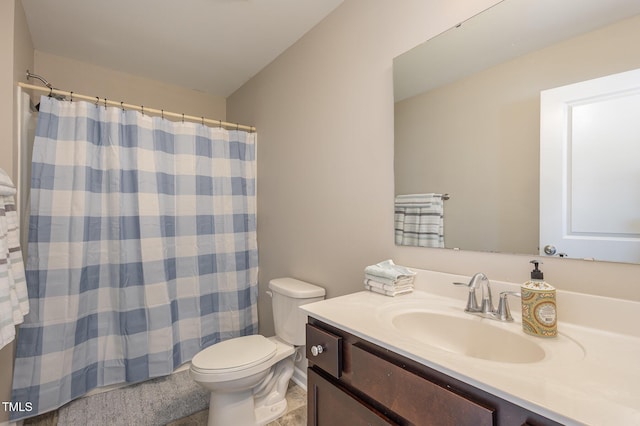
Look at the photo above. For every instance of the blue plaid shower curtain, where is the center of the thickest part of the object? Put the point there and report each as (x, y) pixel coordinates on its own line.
(142, 249)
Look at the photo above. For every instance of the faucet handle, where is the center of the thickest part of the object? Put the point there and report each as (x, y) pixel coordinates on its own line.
(472, 301)
(503, 313)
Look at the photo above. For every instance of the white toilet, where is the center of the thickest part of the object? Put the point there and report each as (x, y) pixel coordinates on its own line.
(248, 376)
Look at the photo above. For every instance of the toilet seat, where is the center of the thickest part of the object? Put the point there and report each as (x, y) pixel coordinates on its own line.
(235, 354)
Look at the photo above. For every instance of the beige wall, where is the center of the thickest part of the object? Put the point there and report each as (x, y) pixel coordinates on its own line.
(324, 113)
(6, 84)
(478, 138)
(6, 157)
(16, 55)
(92, 80)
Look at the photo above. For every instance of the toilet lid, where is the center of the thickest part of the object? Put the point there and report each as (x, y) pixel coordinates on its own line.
(235, 354)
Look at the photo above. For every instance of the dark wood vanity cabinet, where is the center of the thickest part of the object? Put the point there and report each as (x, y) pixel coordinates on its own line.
(351, 381)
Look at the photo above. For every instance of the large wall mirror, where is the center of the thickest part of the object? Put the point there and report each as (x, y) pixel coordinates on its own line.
(468, 124)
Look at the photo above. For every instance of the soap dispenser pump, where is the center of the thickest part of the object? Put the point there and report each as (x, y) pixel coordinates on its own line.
(539, 313)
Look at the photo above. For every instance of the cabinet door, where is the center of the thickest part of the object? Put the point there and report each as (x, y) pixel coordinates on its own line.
(413, 397)
(329, 405)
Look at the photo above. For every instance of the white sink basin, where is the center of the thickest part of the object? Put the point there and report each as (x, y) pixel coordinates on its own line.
(443, 325)
(472, 337)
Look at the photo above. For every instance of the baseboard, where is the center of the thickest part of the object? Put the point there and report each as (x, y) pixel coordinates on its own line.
(300, 378)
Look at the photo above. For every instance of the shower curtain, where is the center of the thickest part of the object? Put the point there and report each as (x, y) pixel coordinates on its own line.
(142, 249)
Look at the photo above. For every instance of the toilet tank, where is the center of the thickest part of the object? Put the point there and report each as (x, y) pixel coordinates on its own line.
(287, 295)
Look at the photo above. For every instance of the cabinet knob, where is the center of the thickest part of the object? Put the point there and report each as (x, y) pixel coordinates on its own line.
(317, 350)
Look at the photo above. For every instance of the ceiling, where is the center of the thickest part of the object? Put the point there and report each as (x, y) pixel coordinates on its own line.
(213, 46)
(502, 32)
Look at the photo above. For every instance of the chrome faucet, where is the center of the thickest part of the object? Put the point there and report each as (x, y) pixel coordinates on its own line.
(486, 309)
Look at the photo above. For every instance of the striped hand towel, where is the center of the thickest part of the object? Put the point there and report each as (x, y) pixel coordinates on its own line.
(419, 220)
(14, 302)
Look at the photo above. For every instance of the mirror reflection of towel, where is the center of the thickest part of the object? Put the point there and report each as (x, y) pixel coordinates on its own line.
(419, 220)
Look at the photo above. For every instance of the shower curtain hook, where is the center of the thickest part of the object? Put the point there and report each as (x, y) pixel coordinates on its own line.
(237, 127)
(97, 100)
(105, 104)
(71, 97)
(202, 120)
(122, 105)
(183, 118)
(220, 124)
(142, 107)
(162, 113)
(50, 91)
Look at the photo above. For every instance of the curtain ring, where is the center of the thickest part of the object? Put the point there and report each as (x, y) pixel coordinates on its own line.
(202, 120)
(122, 105)
(237, 127)
(71, 97)
(50, 91)
(142, 107)
(183, 117)
(105, 104)
(97, 100)
(220, 124)
(161, 113)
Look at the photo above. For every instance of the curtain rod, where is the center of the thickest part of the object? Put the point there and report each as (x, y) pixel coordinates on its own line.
(163, 113)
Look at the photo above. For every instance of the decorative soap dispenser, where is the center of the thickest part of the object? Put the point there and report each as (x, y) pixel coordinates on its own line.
(539, 317)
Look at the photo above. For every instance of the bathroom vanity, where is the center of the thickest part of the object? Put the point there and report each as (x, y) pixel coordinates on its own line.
(359, 382)
(419, 359)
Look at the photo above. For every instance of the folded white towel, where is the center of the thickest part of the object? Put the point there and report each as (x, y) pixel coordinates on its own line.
(390, 282)
(391, 293)
(388, 272)
(387, 287)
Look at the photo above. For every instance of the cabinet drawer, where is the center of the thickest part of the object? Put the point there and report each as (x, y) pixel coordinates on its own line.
(411, 396)
(329, 405)
(330, 357)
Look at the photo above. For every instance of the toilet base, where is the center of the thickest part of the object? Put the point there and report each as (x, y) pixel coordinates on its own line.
(231, 409)
(255, 406)
(240, 410)
(270, 396)
(243, 412)
(266, 414)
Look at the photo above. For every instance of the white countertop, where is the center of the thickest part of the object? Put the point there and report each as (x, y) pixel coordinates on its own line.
(590, 374)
